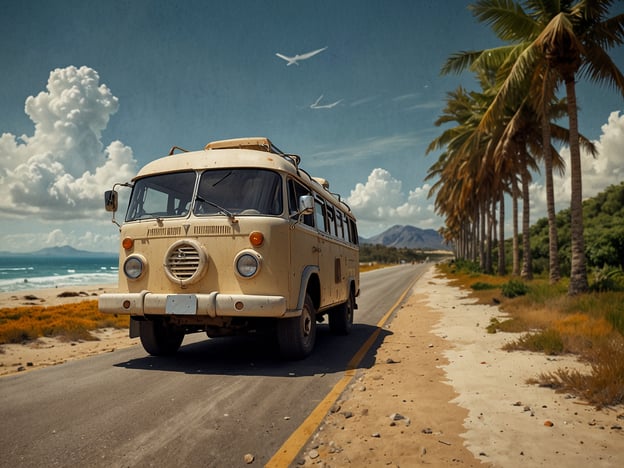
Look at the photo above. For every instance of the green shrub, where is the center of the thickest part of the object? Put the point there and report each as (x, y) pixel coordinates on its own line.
(481, 286)
(494, 325)
(514, 288)
(546, 341)
(466, 266)
(607, 278)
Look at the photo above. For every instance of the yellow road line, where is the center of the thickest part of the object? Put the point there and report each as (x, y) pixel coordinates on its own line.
(293, 445)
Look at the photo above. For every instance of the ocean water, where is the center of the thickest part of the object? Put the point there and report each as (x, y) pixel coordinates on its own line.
(21, 273)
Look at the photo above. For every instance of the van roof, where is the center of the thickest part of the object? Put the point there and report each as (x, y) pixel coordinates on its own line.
(257, 143)
(236, 152)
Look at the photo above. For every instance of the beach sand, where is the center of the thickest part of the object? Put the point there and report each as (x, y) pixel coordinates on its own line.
(441, 392)
(45, 351)
(54, 296)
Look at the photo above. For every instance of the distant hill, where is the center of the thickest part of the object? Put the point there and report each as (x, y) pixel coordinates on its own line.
(409, 237)
(63, 251)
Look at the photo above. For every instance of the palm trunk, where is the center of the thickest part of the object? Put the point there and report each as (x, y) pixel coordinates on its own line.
(490, 206)
(578, 272)
(527, 262)
(515, 244)
(475, 236)
(553, 242)
(501, 234)
(483, 235)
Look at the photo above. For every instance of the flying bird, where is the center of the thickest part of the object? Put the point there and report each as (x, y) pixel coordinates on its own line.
(296, 58)
(318, 105)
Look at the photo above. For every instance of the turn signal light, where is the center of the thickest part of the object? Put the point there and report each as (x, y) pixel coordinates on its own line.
(256, 238)
(127, 243)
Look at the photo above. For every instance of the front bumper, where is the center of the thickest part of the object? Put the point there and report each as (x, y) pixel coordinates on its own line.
(211, 305)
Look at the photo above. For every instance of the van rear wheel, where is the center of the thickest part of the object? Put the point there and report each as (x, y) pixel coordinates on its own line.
(297, 335)
(158, 338)
(341, 317)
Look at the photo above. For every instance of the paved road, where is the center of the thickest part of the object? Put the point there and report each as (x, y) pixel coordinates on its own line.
(208, 406)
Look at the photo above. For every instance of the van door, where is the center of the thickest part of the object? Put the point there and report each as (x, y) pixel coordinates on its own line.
(304, 240)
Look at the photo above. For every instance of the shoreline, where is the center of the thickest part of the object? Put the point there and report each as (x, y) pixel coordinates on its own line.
(50, 296)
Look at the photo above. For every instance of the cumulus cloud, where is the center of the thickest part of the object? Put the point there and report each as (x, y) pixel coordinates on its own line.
(598, 173)
(62, 169)
(381, 202)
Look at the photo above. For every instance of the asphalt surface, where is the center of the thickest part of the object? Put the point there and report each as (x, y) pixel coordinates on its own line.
(210, 405)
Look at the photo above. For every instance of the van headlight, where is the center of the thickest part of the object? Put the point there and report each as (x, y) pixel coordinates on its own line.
(247, 263)
(135, 266)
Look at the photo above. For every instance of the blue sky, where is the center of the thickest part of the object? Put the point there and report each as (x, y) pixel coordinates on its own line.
(147, 75)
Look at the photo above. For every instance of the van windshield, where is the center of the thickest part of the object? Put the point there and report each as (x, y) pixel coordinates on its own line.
(162, 196)
(239, 192)
(227, 192)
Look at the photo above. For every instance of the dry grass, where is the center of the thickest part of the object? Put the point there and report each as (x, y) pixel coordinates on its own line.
(71, 322)
(590, 326)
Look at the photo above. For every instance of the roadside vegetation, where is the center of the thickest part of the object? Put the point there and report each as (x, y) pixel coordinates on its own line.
(550, 321)
(71, 322)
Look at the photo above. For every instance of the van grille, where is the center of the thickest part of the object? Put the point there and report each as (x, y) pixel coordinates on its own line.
(183, 261)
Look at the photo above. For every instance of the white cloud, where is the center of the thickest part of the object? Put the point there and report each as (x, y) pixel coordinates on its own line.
(598, 173)
(381, 203)
(62, 170)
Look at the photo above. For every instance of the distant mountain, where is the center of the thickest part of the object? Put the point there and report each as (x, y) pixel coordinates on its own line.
(409, 237)
(63, 251)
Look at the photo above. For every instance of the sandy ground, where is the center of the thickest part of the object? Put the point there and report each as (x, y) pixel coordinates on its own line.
(50, 351)
(50, 297)
(441, 393)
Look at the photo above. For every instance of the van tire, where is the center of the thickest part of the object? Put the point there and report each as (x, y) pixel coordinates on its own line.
(158, 338)
(296, 336)
(341, 317)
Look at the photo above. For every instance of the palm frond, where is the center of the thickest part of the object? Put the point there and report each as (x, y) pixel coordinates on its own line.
(507, 19)
(457, 63)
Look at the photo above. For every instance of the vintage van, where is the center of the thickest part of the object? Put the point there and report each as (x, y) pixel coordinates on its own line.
(230, 239)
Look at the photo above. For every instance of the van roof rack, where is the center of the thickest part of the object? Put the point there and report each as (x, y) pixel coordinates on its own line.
(255, 143)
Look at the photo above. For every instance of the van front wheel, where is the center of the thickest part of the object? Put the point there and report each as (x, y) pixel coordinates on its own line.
(297, 335)
(158, 338)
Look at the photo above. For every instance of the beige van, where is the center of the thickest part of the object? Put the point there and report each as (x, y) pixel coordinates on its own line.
(231, 239)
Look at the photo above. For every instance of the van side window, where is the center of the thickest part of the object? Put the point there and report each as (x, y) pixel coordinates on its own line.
(319, 214)
(353, 234)
(331, 222)
(339, 225)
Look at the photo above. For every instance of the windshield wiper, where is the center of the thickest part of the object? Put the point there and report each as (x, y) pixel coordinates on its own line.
(220, 208)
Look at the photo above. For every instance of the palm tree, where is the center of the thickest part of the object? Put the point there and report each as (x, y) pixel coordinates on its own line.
(552, 42)
(574, 42)
(462, 197)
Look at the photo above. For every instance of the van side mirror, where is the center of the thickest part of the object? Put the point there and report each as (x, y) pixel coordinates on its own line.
(110, 200)
(306, 204)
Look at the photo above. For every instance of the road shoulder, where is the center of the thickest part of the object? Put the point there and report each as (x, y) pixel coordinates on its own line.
(399, 412)
(442, 392)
